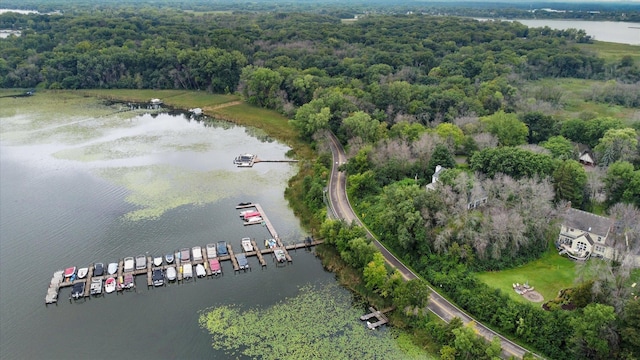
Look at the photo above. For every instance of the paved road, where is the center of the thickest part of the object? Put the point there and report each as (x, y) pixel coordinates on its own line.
(440, 306)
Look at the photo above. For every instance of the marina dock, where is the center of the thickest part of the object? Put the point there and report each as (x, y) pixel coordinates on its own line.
(58, 280)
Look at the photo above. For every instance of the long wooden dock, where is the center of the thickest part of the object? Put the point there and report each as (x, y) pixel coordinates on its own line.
(270, 227)
(58, 281)
(234, 261)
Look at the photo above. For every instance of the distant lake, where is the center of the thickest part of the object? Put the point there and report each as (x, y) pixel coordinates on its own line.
(609, 31)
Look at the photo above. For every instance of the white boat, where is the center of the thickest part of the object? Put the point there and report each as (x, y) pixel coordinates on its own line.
(155, 102)
(171, 273)
(157, 261)
(112, 268)
(280, 256)
(200, 272)
(110, 285)
(96, 286)
(82, 272)
(246, 244)
(141, 262)
(253, 220)
(187, 271)
(196, 251)
(244, 159)
(169, 258)
(129, 264)
(211, 251)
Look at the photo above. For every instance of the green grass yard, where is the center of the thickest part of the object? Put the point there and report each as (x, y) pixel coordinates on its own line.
(547, 275)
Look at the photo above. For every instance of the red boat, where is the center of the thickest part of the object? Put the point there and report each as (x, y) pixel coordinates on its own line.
(214, 265)
(251, 214)
(69, 272)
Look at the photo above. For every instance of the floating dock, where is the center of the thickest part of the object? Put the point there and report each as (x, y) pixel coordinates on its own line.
(248, 160)
(58, 281)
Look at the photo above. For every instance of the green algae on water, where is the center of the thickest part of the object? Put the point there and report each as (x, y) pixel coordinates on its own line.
(156, 189)
(318, 323)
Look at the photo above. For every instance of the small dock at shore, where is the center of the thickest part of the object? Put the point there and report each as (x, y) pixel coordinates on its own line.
(379, 316)
(58, 281)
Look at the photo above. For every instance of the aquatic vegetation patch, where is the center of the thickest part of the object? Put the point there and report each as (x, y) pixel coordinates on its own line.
(318, 323)
(156, 189)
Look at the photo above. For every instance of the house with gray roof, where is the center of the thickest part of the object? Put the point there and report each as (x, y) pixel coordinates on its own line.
(583, 234)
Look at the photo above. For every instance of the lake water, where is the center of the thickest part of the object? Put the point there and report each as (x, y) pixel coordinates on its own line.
(609, 31)
(83, 183)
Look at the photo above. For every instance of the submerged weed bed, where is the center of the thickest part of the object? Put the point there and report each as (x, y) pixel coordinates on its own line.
(318, 323)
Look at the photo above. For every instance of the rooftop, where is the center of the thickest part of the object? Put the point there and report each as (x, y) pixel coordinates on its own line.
(587, 221)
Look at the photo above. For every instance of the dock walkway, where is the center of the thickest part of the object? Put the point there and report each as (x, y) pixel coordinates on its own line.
(379, 315)
(58, 281)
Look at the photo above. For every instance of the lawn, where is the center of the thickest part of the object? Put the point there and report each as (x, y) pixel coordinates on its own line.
(547, 275)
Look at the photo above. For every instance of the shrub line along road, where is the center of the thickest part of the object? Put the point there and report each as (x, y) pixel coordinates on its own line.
(339, 203)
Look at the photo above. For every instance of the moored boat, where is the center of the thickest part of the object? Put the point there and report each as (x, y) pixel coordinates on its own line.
(78, 290)
(253, 220)
(222, 248)
(110, 285)
(129, 264)
(96, 286)
(169, 258)
(171, 273)
(157, 276)
(246, 203)
(112, 268)
(251, 214)
(200, 271)
(214, 265)
(243, 264)
(157, 261)
(187, 271)
(141, 262)
(270, 243)
(211, 251)
(98, 269)
(82, 272)
(129, 282)
(280, 256)
(196, 251)
(246, 244)
(185, 255)
(69, 272)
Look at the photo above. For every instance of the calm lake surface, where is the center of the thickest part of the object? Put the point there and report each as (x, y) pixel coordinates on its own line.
(609, 31)
(78, 188)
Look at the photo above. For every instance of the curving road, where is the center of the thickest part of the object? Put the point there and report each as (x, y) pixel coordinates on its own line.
(341, 208)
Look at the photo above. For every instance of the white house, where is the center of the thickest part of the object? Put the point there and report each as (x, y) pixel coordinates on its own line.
(435, 177)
